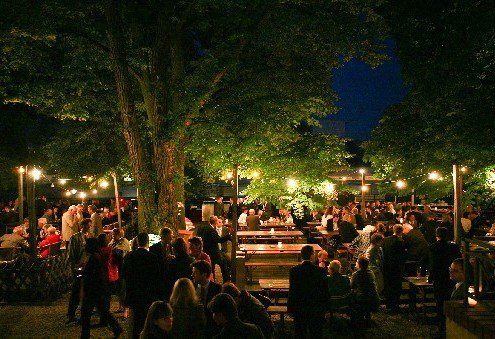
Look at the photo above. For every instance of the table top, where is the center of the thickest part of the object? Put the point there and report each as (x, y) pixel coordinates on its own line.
(268, 233)
(274, 284)
(313, 223)
(418, 282)
(284, 248)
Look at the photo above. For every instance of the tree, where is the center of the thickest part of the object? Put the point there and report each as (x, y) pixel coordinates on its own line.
(447, 51)
(251, 70)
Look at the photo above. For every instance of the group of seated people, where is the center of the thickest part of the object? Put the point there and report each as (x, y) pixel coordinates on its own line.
(18, 239)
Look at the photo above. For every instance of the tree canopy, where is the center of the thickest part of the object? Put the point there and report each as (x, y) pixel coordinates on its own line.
(212, 82)
(446, 50)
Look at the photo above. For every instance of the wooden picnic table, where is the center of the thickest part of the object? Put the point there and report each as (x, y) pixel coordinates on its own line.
(267, 235)
(274, 287)
(274, 284)
(252, 249)
(421, 285)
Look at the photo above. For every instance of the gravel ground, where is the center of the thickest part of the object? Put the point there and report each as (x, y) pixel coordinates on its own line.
(47, 321)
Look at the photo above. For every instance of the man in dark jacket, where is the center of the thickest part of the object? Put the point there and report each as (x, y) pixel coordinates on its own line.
(94, 285)
(429, 228)
(308, 296)
(143, 274)
(394, 254)
(347, 232)
(211, 241)
(225, 314)
(417, 248)
(443, 253)
(205, 291)
(163, 250)
(218, 209)
(75, 256)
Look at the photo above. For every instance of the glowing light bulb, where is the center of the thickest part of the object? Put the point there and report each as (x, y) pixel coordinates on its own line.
(292, 183)
(73, 191)
(36, 174)
(104, 184)
(400, 184)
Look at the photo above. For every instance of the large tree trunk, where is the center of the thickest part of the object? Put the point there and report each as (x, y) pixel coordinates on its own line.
(137, 152)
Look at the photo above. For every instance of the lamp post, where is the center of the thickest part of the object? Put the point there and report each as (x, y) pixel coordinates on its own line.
(32, 175)
(20, 199)
(363, 189)
(233, 253)
(457, 178)
(117, 202)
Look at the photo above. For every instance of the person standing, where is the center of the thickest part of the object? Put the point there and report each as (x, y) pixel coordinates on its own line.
(96, 222)
(143, 274)
(365, 297)
(69, 227)
(164, 251)
(394, 256)
(374, 254)
(308, 296)
(218, 209)
(76, 256)
(205, 292)
(94, 284)
(223, 232)
(211, 240)
(443, 253)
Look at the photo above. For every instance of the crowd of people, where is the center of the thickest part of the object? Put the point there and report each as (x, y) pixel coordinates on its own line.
(169, 289)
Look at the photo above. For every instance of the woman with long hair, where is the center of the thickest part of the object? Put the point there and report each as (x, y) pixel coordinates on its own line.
(158, 321)
(189, 316)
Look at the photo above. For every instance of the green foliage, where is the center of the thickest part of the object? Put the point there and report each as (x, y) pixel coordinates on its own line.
(447, 51)
(254, 80)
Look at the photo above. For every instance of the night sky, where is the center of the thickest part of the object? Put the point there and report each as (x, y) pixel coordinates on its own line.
(365, 93)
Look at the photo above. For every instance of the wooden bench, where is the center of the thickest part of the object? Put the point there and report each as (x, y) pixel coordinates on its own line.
(280, 310)
(250, 266)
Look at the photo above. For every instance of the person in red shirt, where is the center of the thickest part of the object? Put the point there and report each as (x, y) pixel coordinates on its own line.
(196, 251)
(51, 238)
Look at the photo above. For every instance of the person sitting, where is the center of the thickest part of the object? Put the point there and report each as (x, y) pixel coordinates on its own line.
(457, 275)
(364, 294)
(243, 216)
(250, 309)
(347, 230)
(180, 266)
(322, 260)
(189, 314)
(14, 239)
(253, 221)
(52, 238)
(159, 321)
(225, 315)
(338, 286)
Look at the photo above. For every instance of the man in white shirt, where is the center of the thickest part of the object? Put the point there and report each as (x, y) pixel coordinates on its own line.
(69, 226)
(243, 216)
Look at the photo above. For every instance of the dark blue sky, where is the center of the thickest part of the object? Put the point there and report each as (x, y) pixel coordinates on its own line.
(365, 93)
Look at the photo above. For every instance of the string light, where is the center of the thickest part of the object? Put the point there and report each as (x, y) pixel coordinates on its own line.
(400, 184)
(36, 174)
(94, 191)
(104, 184)
(73, 191)
(362, 171)
(434, 175)
(62, 181)
(21, 170)
(68, 193)
(256, 174)
(292, 183)
(82, 195)
(364, 188)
